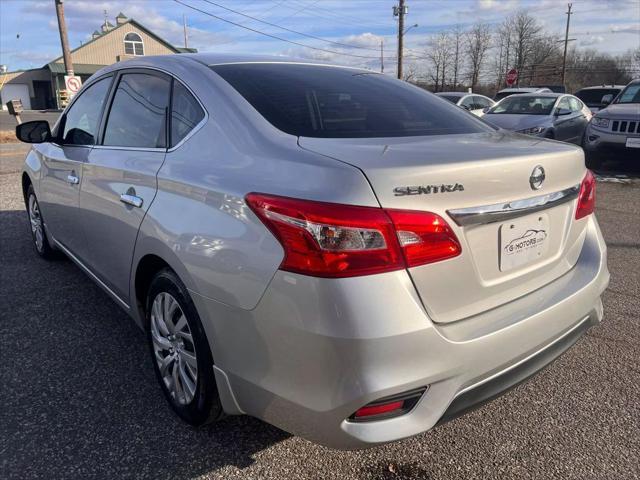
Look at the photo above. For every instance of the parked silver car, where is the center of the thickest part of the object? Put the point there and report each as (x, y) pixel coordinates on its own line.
(475, 103)
(615, 129)
(549, 115)
(328, 249)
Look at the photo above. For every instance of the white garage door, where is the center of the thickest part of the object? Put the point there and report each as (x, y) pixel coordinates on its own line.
(16, 91)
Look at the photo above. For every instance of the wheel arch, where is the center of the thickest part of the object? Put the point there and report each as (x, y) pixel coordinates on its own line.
(150, 257)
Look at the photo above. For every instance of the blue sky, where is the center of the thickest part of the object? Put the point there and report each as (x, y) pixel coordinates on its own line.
(608, 25)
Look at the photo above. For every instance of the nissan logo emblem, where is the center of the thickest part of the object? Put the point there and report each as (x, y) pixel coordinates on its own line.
(537, 178)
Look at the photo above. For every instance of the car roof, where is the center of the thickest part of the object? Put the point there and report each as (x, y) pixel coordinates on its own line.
(522, 89)
(542, 94)
(211, 59)
(601, 87)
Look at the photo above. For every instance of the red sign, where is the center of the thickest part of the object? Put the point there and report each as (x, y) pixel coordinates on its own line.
(512, 77)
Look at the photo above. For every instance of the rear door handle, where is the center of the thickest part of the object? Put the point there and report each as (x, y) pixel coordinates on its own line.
(132, 200)
(72, 179)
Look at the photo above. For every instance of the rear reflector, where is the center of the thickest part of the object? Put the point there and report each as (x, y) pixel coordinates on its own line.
(378, 409)
(335, 240)
(388, 407)
(587, 196)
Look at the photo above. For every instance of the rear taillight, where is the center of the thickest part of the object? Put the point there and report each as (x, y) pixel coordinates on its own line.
(587, 196)
(335, 240)
(424, 237)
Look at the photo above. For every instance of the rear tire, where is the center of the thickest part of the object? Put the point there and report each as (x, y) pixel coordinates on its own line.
(36, 223)
(180, 351)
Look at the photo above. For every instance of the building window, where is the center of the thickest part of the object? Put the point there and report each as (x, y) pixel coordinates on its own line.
(133, 44)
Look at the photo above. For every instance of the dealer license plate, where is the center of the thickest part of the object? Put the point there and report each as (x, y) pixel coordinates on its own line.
(523, 241)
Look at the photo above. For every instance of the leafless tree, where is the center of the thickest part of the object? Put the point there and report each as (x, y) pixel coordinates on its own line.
(438, 51)
(478, 42)
(457, 37)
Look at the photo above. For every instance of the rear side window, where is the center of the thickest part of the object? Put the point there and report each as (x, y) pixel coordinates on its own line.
(138, 112)
(331, 102)
(186, 113)
(575, 104)
(81, 120)
(593, 96)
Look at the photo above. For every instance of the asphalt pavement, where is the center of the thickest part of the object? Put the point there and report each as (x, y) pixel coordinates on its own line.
(8, 122)
(79, 398)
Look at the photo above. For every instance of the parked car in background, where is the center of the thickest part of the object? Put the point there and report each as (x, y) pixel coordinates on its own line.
(469, 101)
(326, 248)
(597, 98)
(615, 129)
(549, 115)
(505, 92)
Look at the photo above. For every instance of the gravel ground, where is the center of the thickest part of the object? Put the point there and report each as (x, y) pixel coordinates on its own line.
(79, 398)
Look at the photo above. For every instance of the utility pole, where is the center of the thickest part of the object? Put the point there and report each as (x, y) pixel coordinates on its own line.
(382, 56)
(62, 26)
(566, 42)
(400, 12)
(184, 26)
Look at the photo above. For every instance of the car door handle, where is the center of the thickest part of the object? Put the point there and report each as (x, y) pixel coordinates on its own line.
(72, 179)
(131, 200)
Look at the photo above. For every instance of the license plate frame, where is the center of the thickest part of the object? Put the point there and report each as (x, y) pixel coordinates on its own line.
(523, 241)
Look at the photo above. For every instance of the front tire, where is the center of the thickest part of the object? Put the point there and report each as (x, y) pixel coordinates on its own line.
(36, 222)
(180, 351)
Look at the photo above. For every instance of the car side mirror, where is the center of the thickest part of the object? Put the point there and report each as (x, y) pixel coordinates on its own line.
(486, 109)
(562, 111)
(37, 131)
(607, 99)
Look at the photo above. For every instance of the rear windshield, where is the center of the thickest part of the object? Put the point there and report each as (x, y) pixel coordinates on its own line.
(331, 102)
(451, 98)
(525, 105)
(593, 96)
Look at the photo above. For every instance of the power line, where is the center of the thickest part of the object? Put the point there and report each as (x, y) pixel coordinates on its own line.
(288, 29)
(273, 36)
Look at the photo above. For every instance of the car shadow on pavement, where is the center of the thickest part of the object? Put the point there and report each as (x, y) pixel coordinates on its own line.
(79, 396)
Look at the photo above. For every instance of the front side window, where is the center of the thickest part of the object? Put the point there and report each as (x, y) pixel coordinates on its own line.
(564, 104)
(81, 120)
(186, 113)
(133, 44)
(138, 111)
(524, 105)
(631, 94)
(332, 102)
(468, 102)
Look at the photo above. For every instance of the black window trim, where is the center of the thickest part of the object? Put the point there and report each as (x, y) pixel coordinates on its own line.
(60, 124)
(150, 70)
(196, 127)
(105, 114)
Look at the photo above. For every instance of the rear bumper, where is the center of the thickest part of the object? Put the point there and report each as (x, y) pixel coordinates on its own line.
(315, 350)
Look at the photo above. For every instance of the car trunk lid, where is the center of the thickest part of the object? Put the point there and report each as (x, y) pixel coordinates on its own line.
(454, 173)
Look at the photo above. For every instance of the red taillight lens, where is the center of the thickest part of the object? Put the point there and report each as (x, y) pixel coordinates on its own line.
(335, 240)
(587, 196)
(424, 237)
(327, 239)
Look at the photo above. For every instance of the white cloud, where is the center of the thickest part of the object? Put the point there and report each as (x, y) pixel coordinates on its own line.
(592, 40)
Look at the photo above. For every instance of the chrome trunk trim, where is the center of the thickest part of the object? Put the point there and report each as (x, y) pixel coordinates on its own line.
(499, 212)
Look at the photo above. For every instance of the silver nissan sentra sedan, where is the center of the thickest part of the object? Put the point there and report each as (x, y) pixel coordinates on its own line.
(336, 252)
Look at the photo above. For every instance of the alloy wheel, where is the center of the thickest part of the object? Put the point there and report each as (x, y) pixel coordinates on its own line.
(36, 223)
(173, 348)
